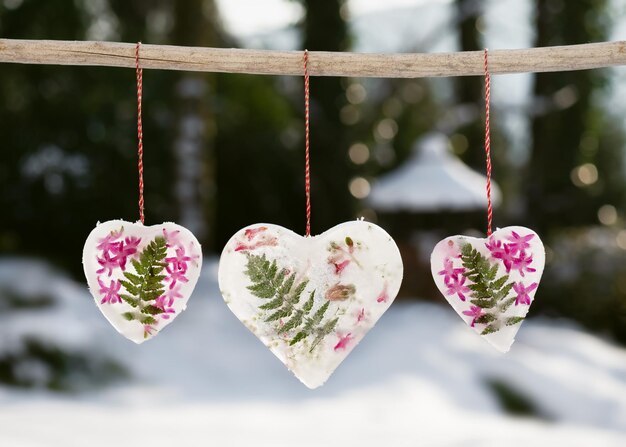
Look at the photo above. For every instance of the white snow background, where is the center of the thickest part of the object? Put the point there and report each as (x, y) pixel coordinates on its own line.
(418, 378)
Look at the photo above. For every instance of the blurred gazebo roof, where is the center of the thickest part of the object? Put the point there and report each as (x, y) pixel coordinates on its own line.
(432, 180)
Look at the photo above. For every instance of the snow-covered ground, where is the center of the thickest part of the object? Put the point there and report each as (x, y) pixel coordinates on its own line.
(419, 378)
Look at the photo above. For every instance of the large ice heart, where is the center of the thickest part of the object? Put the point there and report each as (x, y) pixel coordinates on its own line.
(141, 277)
(310, 300)
(490, 282)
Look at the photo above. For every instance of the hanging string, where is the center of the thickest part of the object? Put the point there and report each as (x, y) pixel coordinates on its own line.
(139, 130)
(488, 142)
(307, 175)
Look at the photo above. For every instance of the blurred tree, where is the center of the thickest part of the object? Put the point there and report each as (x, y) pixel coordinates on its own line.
(468, 140)
(325, 29)
(469, 90)
(576, 163)
(67, 138)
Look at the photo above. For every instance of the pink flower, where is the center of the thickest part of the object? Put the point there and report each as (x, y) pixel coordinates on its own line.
(495, 247)
(172, 294)
(475, 312)
(195, 257)
(175, 274)
(451, 250)
(449, 272)
(502, 252)
(107, 263)
(147, 330)
(111, 293)
(522, 263)
(361, 315)
(522, 292)
(160, 304)
(250, 233)
(172, 239)
(180, 260)
(457, 286)
(124, 251)
(342, 265)
(383, 296)
(343, 341)
(109, 242)
(519, 243)
(266, 241)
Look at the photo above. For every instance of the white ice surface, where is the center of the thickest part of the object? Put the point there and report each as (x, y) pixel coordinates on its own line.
(417, 379)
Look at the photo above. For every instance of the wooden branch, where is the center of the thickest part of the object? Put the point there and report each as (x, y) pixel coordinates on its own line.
(321, 63)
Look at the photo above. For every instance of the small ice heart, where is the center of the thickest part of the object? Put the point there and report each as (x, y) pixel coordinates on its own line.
(490, 282)
(141, 277)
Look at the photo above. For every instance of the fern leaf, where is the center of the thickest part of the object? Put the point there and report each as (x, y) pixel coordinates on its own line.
(130, 300)
(489, 330)
(148, 320)
(134, 279)
(152, 310)
(131, 288)
(299, 337)
(282, 313)
(486, 318)
(513, 320)
(506, 304)
(498, 283)
(322, 332)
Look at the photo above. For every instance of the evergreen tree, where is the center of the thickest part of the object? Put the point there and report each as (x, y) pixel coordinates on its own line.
(571, 127)
(325, 29)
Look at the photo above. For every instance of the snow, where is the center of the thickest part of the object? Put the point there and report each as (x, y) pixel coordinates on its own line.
(418, 378)
(432, 180)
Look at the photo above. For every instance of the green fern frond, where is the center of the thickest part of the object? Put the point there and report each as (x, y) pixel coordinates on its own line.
(488, 291)
(284, 292)
(146, 284)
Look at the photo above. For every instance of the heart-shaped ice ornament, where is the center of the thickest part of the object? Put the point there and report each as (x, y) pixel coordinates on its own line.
(490, 282)
(141, 277)
(310, 300)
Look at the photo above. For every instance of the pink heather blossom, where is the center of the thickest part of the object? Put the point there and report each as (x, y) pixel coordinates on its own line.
(122, 251)
(172, 239)
(180, 260)
(519, 243)
(266, 241)
(495, 247)
(195, 257)
(107, 263)
(175, 274)
(449, 272)
(451, 250)
(383, 296)
(502, 252)
(172, 294)
(109, 242)
(457, 286)
(475, 312)
(251, 233)
(111, 293)
(522, 263)
(147, 330)
(342, 265)
(361, 315)
(343, 341)
(522, 292)
(161, 304)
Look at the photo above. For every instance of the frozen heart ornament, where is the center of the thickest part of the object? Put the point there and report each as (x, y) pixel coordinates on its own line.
(490, 282)
(141, 276)
(310, 300)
